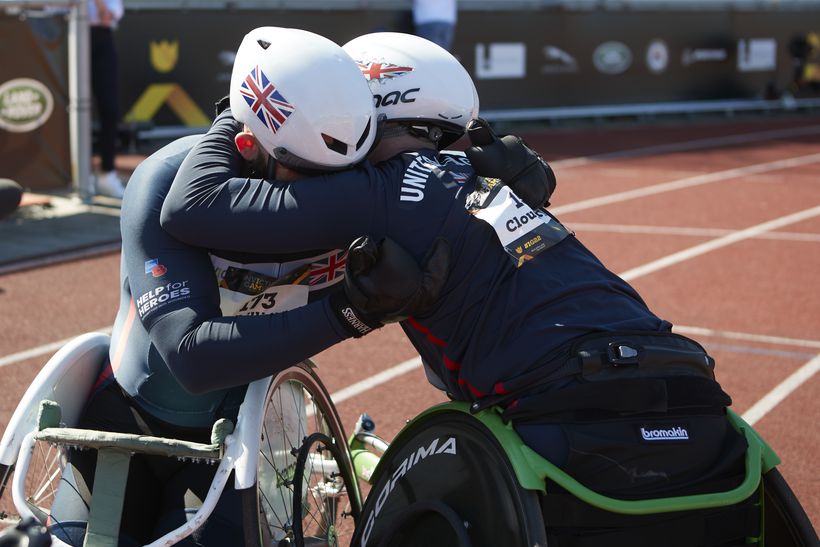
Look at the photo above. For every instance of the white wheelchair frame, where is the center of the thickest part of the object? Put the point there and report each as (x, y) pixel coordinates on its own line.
(67, 379)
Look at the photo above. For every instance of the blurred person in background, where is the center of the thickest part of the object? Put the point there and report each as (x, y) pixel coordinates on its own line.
(103, 17)
(196, 324)
(435, 20)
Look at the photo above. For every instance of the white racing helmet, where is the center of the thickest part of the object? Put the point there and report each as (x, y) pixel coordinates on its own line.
(303, 98)
(415, 80)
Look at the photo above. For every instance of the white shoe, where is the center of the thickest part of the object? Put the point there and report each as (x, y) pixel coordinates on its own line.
(110, 184)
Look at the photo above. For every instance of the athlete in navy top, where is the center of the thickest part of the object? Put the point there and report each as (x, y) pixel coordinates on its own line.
(195, 325)
(494, 321)
(528, 317)
(182, 337)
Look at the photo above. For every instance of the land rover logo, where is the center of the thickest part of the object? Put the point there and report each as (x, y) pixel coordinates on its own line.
(612, 57)
(25, 105)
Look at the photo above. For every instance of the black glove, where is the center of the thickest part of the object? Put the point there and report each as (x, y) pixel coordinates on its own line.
(512, 161)
(384, 284)
(27, 533)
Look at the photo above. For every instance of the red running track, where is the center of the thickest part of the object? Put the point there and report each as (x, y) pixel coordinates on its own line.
(717, 224)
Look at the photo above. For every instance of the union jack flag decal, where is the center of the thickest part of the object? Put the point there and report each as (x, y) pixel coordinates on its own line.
(267, 103)
(382, 71)
(329, 269)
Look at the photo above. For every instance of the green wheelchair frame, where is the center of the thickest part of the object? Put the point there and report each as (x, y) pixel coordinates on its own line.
(533, 472)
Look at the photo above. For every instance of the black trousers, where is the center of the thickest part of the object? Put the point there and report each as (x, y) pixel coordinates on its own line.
(105, 87)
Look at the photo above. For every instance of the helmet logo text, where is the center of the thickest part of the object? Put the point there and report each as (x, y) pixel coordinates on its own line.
(395, 97)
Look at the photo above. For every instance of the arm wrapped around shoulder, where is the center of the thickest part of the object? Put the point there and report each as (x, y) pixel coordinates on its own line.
(385, 284)
(509, 158)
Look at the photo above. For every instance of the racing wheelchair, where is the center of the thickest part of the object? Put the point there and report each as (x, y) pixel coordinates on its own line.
(449, 478)
(286, 454)
(455, 478)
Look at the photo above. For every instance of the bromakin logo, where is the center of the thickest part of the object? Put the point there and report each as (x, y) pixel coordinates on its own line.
(25, 105)
(662, 434)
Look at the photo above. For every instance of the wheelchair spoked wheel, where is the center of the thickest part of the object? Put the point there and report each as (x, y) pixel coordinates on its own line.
(305, 492)
(318, 494)
(45, 473)
(785, 521)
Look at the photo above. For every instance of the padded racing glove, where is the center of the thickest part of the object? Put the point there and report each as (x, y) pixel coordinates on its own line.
(384, 284)
(509, 158)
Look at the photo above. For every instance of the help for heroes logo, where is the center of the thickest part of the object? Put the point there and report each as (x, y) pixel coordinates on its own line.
(164, 294)
(159, 296)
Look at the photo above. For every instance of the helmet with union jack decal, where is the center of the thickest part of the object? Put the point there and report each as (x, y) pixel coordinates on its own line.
(417, 82)
(303, 98)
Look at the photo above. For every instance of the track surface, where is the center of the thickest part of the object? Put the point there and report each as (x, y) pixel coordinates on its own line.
(717, 224)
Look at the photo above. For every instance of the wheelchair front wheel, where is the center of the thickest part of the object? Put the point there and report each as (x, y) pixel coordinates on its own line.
(305, 491)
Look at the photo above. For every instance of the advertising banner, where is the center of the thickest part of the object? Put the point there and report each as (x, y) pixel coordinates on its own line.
(34, 143)
(554, 59)
(176, 64)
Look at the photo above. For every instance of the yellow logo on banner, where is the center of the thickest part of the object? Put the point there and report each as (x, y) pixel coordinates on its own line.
(811, 72)
(164, 55)
(153, 98)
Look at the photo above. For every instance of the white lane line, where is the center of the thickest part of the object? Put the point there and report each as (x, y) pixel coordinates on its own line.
(711, 142)
(628, 275)
(777, 340)
(703, 248)
(781, 391)
(687, 182)
(42, 350)
(376, 380)
(686, 231)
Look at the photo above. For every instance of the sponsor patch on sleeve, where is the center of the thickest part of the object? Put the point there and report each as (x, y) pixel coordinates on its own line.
(523, 232)
(161, 296)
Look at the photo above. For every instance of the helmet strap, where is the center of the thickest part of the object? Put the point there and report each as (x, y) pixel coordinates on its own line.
(270, 168)
(430, 134)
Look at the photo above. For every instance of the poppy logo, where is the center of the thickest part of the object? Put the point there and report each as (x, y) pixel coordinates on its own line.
(154, 268)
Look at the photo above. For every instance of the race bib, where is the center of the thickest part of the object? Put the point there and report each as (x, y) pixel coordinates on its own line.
(272, 300)
(246, 292)
(523, 232)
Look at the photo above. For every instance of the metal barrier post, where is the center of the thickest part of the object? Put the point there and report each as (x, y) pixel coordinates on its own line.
(79, 94)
